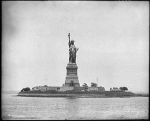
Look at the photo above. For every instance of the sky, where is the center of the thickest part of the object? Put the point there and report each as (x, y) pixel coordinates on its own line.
(112, 37)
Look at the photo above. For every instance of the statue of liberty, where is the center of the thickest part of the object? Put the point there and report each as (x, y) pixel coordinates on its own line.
(72, 51)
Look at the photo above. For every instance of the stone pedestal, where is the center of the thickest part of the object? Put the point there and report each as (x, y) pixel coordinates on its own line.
(72, 77)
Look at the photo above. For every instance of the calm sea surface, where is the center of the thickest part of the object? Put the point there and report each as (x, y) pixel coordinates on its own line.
(14, 107)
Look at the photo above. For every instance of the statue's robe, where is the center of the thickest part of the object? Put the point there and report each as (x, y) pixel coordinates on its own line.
(72, 54)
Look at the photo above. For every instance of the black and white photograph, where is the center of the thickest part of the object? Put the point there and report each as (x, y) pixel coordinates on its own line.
(75, 60)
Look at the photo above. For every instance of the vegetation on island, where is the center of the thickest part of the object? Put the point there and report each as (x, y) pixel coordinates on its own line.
(93, 84)
(25, 89)
(84, 85)
(123, 88)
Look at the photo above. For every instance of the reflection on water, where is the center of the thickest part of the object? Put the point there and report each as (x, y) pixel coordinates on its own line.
(14, 107)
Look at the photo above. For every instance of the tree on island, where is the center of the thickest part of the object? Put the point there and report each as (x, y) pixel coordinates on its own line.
(123, 88)
(85, 85)
(25, 89)
(93, 84)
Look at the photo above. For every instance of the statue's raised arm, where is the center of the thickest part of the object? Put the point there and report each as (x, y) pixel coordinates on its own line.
(69, 40)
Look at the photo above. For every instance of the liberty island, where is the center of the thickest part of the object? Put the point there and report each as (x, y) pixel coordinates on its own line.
(71, 87)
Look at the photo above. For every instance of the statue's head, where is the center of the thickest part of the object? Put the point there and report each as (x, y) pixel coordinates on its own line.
(72, 42)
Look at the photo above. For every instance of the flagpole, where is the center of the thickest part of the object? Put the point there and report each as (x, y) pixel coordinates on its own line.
(97, 81)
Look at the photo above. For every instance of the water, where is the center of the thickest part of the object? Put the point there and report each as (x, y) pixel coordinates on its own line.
(14, 107)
